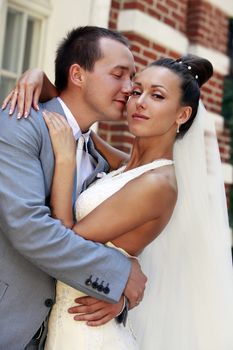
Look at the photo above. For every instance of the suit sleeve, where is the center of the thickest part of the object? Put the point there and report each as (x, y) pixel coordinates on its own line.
(26, 220)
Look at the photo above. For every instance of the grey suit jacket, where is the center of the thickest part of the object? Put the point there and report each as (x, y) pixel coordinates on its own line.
(36, 249)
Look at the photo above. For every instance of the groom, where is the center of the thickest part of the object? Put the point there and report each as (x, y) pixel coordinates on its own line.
(94, 67)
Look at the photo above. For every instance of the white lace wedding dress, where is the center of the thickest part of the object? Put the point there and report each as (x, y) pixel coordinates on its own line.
(66, 334)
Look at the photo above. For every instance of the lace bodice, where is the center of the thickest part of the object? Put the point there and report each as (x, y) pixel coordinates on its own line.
(108, 184)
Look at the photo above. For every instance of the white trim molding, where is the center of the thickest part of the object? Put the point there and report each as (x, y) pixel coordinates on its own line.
(152, 29)
(224, 5)
(99, 12)
(220, 62)
(227, 173)
(42, 7)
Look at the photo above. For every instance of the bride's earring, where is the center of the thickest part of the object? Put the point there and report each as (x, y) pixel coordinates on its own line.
(178, 129)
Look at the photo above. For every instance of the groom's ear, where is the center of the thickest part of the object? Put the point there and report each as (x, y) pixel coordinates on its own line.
(76, 74)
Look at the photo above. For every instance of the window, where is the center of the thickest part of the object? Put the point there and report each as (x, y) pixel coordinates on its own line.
(21, 42)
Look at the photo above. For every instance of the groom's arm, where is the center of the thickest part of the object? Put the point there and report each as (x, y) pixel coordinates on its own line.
(114, 156)
(27, 223)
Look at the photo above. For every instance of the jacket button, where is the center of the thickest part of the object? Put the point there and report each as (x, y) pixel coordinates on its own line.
(100, 287)
(106, 289)
(88, 282)
(95, 284)
(48, 302)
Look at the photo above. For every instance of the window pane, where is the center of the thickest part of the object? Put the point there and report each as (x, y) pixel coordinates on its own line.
(12, 40)
(31, 43)
(6, 85)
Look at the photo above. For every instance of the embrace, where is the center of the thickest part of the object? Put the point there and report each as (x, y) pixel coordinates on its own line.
(83, 226)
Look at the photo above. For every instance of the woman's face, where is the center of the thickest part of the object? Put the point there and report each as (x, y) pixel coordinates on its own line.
(154, 106)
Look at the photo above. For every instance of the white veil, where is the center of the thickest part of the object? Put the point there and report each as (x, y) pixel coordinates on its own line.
(188, 302)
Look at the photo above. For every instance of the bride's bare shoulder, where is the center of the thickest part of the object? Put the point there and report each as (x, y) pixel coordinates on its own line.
(156, 188)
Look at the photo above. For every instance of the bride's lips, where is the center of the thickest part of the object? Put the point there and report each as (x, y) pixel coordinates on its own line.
(137, 116)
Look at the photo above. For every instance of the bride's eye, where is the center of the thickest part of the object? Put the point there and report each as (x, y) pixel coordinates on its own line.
(158, 96)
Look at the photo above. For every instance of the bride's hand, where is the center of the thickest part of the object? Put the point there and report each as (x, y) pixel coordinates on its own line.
(26, 93)
(95, 312)
(62, 138)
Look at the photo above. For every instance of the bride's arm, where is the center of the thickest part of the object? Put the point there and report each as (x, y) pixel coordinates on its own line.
(144, 202)
(31, 87)
(114, 156)
(63, 143)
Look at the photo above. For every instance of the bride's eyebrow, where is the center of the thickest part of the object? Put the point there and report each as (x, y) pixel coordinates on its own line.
(152, 86)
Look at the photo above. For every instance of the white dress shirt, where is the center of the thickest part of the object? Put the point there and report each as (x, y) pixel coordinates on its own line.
(87, 161)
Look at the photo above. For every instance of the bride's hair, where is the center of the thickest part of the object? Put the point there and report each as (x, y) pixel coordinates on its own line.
(193, 71)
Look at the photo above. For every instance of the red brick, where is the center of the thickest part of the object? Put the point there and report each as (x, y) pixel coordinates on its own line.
(170, 22)
(140, 60)
(159, 48)
(115, 5)
(154, 13)
(162, 9)
(172, 4)
(135, 48)
(149, 54)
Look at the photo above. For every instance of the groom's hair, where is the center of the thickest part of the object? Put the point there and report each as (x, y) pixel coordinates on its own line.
(81, 45)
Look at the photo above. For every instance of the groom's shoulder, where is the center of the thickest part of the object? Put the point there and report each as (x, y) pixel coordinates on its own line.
(31, 128)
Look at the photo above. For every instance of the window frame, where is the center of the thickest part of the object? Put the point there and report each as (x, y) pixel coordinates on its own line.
(38, 10)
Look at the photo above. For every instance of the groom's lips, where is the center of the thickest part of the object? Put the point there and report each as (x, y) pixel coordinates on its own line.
(121, 101)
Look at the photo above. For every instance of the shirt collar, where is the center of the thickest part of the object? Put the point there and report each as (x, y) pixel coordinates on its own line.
(73, 122)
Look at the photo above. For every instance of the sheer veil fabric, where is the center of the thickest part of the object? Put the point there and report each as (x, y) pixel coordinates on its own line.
(188, 302)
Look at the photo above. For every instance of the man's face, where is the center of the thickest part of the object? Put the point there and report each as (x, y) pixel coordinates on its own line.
(108, 86)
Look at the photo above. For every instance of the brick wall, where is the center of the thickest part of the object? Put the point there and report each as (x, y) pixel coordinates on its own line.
(202, 24)
(171, 12)
(207, 25)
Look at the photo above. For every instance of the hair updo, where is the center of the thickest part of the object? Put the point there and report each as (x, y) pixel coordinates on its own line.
(193, 71)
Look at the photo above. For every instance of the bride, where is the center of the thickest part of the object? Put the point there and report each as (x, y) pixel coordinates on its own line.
(167, 206)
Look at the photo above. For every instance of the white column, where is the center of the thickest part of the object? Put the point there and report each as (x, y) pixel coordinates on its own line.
(99, 13)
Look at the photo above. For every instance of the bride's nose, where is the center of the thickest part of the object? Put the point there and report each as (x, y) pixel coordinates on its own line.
(141, 101)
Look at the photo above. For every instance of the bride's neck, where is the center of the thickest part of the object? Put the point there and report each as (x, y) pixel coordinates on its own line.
(147, 150)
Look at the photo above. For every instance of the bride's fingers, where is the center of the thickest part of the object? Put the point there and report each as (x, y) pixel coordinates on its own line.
(20, 100)
(7, 99)
(27, 103)
(36, 97)
(13, 101)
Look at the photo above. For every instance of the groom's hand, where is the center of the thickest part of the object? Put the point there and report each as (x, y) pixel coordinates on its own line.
(136, 284)
(95, 312)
